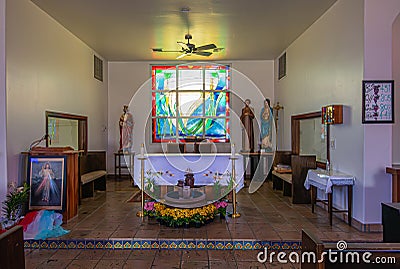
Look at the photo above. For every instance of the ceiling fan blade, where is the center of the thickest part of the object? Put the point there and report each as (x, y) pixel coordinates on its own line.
(181, 56)
(184, 46)
(161, 50)
(218, 49)
(206, 47)
(203, 53)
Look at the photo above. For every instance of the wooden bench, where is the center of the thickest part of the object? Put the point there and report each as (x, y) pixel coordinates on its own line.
(12, 254)
(283, 181)
(292, 184)
(380, 252)
(92, 168)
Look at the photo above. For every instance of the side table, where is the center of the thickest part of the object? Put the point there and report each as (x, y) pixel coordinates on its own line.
(124, 161)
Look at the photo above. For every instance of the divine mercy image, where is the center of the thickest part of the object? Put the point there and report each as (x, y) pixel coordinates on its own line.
(46, 180)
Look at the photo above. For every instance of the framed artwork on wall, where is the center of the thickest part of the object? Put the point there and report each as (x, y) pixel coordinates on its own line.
(377, 101)
(47, 179)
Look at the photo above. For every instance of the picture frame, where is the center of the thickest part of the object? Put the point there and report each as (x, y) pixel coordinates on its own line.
(47, 180)
(377, 101)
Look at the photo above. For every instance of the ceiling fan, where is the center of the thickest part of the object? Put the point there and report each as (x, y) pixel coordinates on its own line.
(188, 48)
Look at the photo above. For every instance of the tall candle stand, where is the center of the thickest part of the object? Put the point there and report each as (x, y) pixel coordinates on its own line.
(142, 158)
(234, 214)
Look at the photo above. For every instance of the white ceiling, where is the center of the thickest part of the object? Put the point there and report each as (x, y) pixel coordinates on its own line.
(126, 30)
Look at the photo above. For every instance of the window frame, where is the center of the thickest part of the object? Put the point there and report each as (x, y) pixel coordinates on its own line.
(178, 137)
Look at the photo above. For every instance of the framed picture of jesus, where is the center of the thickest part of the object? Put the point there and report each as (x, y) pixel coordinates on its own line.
(47, 180)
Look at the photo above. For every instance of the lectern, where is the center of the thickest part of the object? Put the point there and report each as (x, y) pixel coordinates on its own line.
(72, 166)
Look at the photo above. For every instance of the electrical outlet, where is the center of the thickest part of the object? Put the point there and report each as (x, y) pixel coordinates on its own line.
(333, 143)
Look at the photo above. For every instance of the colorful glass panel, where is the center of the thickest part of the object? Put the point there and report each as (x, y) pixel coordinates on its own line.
(190, 127)
(217, 129)
(202, 97)
(164, 129)
(216, 79)
(215, 104)
(164, 104)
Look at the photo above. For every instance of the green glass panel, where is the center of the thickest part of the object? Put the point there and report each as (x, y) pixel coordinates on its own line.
(165, 103)
(215, 104)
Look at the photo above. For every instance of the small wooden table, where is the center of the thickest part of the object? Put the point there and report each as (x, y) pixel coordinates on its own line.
(326, 180)
(128, 163)
(395, 171)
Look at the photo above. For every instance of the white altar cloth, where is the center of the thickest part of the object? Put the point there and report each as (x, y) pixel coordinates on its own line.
(324, 180)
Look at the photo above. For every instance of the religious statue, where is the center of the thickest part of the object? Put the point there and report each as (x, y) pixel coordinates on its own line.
(266, 126)
(247, 120)
(125, 130)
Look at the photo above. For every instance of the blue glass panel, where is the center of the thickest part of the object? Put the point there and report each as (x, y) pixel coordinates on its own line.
(165, 80)
(190, 127)
(165, 104)
(215, 128)
(164, 128)
(215, 104)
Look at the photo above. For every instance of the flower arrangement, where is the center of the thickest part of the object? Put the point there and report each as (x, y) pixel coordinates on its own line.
(149, 209)
(221, 207)
(12, 206)
(176, 217)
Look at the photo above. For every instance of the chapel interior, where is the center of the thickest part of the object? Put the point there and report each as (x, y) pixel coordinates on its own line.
(199, 134)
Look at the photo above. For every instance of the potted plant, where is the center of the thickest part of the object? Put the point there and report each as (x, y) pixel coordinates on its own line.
(13, 205)
(221, 208)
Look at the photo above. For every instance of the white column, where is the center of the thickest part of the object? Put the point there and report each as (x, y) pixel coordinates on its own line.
(3, 103)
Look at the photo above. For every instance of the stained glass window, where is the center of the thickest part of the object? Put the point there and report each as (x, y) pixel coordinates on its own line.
(190, 101)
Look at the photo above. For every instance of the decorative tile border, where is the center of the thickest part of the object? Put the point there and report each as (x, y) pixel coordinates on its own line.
(172, 244)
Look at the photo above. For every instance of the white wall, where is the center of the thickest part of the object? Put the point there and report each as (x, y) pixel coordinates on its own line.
(325, 66)
(48, 68)
(378, 23)
(125, 78)
(3, 105)
(396, 77)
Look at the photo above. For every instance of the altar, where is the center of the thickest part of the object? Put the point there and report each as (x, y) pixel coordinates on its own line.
(165, 177)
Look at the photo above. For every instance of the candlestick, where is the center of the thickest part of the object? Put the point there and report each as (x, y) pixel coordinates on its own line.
(142, 150)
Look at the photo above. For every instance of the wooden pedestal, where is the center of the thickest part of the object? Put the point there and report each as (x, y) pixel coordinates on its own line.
(72, 166)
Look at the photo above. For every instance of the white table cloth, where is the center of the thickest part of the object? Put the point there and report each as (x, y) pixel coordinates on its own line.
(324, 180)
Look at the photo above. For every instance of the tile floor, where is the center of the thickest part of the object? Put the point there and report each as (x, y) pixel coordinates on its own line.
(266, 215)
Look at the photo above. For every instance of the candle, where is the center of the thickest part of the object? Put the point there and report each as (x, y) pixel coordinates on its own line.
(142, 150)
(233, 150)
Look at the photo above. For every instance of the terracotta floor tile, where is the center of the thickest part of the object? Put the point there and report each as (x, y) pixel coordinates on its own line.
(33, 263)
(221, 255)
(88, 254)
(110, 264)
(54, 263)
(194, 265)
(222, 264)
(82, 264)
(246, 255)
(195, 255)
(66, 254)
(130, 264)
(249, 265)
(142, 254)
(116, 254)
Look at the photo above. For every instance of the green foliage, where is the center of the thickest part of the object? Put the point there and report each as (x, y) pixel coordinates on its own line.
(15, 200)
